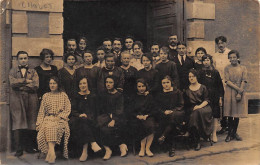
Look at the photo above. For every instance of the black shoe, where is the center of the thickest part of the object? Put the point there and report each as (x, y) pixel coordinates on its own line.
(31, 150)
(237, 137)
(18, 153)
(198, 147)
(172, 152)
(228, 138)
(223, 130)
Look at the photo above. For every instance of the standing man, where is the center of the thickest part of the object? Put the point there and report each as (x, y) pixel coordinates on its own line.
(184, 64)
(155, 48)
(221, 60)
(107, 43)
(129, 41)
(173, 40)
(117, 47)
(71, 49)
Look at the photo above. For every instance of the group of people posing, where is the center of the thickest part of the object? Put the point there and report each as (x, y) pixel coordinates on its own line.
(116, 97)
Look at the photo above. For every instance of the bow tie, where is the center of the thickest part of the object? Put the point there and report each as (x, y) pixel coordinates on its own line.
(25, 67)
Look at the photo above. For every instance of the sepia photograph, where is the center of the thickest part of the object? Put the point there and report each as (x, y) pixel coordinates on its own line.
(130, 82)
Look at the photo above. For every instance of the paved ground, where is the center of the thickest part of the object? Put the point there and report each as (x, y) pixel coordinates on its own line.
(234, 152)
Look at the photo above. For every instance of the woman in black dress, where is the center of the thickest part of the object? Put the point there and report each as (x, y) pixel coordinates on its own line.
(198, 110)
(66, 74)
(210, 77)
(198, 54)
(149, 74)
(111, 119)
(45, 71)
(170, 102)
(88, 70)
(143, 114)
(83, 121)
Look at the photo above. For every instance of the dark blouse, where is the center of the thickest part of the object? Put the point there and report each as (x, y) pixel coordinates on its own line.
(193, 98)
(84, 104)
(116, 72)
(172, 100)
(91, 74)
(130, 80)
(66, 81)
(142, 105)
(44, 77)
(169, 68)
(151, 77)
(112, 104)
(198, 67)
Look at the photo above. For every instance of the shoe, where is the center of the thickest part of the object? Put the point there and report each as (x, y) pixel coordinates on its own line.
(237, 137)
(161, 139)
(198, 147)
(141, 153)
(18, 153)
(31, 150)
(95, 147)
(228, 138)
(149, 153)
(123, 150)
(52, 159)
(223, 130)
(108, 154)
(172, 152)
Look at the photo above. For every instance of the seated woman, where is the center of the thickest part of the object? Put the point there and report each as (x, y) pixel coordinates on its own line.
(52, 121)
(198, 109)
(170, 102)
(142, 120)
(82, 123)
(111, 120)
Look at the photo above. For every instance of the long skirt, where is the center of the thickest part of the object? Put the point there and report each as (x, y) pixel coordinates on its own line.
(201, 121)
(110, 136)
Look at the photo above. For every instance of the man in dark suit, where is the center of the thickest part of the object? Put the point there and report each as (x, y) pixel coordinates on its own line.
(172, 40)
(184, 64)
(117, 47)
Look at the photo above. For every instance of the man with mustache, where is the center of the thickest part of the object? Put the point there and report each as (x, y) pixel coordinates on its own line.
(117, 47)
(221, 60)
(71, 49)
(155, 48)
(172, 40)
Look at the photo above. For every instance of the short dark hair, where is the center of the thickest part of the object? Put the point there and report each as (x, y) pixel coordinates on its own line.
(201, 49)
(44, 52)
(107, 39)
(148, 55)
(194, 72)
(165, 49)
(155, 43)
(111, 77)
(78, 80)
(101, 48)
(169, 78)
(21, 52)
(129, 37)
(220, 38)
(181, 43)
(88, 51)
(56, 79)
(83, 38)
(139, 43)
(67, 55)
(207, 56)
(234, 52)
(143, 81)
(117, 39)
(71, 39)
(110, 55)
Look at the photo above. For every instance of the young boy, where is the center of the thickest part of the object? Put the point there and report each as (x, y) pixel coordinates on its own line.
(101, 57)
(24, 83)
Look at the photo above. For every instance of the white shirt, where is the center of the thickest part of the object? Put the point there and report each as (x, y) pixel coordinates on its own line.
(184, 58)
(221, 61)
(136, 63)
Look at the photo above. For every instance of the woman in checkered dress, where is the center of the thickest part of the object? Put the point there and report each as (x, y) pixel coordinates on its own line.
(52, 121)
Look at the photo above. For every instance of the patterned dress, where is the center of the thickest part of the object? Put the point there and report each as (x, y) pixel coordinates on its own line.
(52, 121)
(232, 107)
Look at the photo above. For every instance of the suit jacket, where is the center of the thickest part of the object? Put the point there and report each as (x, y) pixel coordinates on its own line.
(183, 71)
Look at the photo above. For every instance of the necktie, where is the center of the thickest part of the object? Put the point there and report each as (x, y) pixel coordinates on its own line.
(182, 60)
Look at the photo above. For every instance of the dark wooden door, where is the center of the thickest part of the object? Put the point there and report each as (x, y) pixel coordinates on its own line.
(164, 19)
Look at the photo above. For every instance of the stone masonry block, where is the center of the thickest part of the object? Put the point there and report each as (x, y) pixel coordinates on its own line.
(55, 23)
(208, 45)
(200, 10)
(34, 45)
(38, 5)
(195, 29)
(19, 22)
